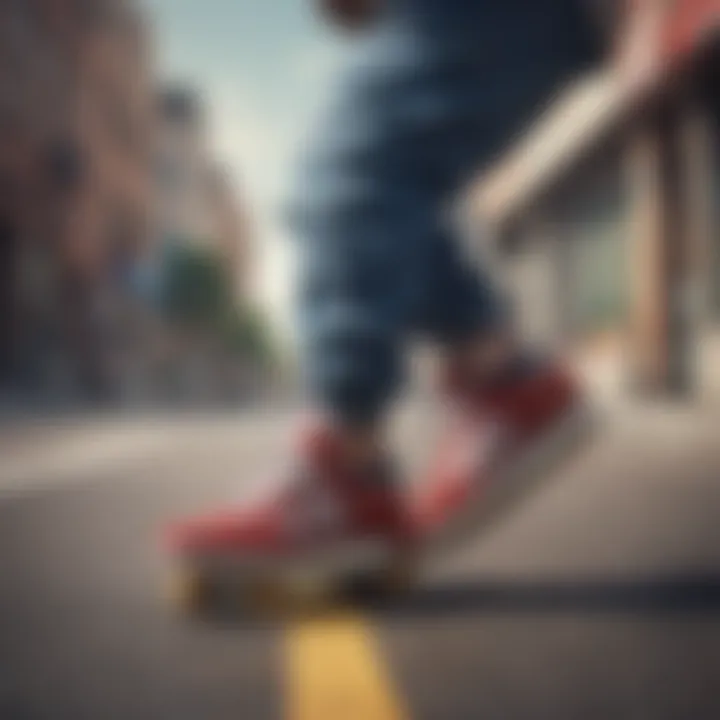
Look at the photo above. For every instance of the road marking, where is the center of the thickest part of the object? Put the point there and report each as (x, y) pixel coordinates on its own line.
(335, 670)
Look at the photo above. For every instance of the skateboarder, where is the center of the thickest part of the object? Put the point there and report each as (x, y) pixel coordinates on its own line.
(436, 90)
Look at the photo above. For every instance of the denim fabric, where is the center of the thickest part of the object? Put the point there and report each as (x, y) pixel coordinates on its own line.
(431, 95)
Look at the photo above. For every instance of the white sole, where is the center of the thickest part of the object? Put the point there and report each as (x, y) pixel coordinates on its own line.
(513, 481)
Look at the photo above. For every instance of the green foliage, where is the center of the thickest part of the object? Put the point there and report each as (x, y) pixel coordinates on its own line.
(246, 334)
(197, 288)
(198, 297)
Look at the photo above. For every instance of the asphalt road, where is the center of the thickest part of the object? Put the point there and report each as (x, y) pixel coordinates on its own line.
(599, 597)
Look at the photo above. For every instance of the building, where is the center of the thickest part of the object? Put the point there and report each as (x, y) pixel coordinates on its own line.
(202, 260)
(76, 119)
(196, 201)
(181, 160)
(37, 169)
(606, 214)
(229, 228)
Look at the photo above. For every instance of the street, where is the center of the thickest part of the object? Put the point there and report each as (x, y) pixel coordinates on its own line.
(599, 597)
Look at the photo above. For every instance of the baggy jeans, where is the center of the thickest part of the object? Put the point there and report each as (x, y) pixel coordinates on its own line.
(427, 100)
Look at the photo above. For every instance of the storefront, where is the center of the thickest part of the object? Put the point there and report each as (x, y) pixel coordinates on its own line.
(607, 215)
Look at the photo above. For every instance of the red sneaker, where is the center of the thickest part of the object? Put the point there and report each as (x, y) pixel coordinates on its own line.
(501, 437)
(328, 517)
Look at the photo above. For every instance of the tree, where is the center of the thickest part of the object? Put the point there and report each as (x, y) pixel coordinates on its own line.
(197, 288)
(246, 334)
(198, 297)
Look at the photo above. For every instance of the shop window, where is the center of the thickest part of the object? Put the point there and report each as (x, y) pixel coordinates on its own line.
(715, 247)
(65, 165)
(596, 240)
(20, 18)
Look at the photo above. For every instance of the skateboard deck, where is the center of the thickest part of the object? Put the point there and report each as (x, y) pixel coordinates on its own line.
(195, 591)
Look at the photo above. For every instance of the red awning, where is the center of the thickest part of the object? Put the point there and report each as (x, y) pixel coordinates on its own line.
(687, 25)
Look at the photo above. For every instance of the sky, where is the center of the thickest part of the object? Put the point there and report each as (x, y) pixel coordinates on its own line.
(262, 68)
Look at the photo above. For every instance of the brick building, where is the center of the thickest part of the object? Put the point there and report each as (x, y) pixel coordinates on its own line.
(181, 163)
(196, 201)
(75, 147)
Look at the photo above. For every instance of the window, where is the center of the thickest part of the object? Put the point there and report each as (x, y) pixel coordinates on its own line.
(65, 164)
(596, 237)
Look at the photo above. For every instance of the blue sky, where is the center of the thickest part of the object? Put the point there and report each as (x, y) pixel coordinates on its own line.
(262, 66)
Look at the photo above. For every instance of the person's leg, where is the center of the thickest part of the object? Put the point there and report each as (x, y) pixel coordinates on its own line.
(363, 275)
(464, 311)
(509, 414)
(340, 502)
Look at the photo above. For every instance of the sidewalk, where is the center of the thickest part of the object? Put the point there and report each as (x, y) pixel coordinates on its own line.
(42, 452)
(38, 453)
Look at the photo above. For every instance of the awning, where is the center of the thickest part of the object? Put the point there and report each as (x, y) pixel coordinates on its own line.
(594, 105)
(572, 125)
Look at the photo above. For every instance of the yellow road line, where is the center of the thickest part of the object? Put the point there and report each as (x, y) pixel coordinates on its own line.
(335, 671)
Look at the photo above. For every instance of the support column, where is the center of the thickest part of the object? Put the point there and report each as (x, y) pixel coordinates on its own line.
(653, 216)
(698, 145)
(670, 235)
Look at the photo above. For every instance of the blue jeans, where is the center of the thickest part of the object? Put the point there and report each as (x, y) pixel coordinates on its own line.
(430, 97)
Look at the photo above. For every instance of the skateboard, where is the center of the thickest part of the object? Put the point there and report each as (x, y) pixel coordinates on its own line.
(198, 591)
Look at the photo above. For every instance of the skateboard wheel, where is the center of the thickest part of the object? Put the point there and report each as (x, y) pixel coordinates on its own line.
(386, 582)
(192, 592)
(400, 577)
(263, 596)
